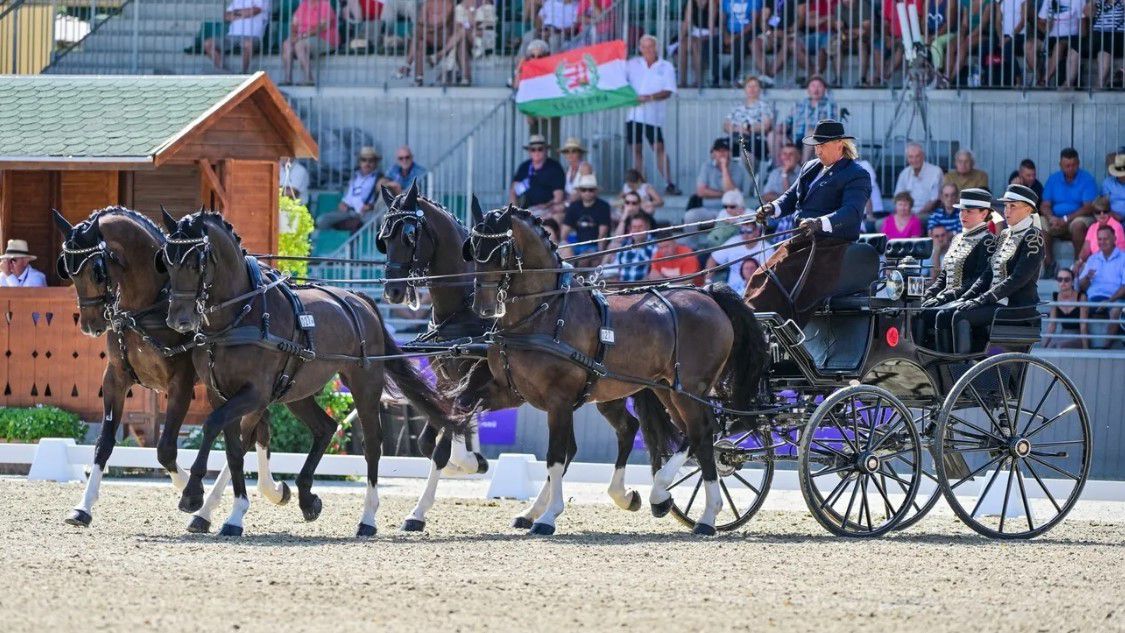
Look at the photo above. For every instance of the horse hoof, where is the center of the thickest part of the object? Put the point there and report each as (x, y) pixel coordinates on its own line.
(199, 525)
(190, 502)
(230, 530)
(482, 464)
(79, 518)
(634, 501)
(522, 523)
(365, 530)
(413, 525)
(285, 494)
(312, 511)
(702, 529)
(662, 509)
(542, 529)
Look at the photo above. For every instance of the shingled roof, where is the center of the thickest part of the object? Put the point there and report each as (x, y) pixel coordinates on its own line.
(119, 119)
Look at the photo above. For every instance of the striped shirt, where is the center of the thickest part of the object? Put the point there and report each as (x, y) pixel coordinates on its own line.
(749, 115)
(635, 261)
(948, 220)
(1109, 15)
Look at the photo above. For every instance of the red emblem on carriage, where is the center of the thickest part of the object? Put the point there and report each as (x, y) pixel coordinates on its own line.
(892, 336)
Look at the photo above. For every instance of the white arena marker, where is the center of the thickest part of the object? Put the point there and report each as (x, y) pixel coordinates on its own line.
(511, 477)
(51, 462)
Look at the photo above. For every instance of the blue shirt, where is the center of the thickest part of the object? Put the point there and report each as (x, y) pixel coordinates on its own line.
(740, 13)
(406, 179)
(949, 221)
(1109, 274)
(635, 261)
(1113, 189)
(1067, 197)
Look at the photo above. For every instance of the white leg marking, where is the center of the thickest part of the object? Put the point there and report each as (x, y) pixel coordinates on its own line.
(213, 497)
(713, 500)
(93, 486)
(557, 504)
(460, 457)
(426, 501)
(536, 508)
(665, 476)
(617, 490)
(241, 505)
(179, 478)
(370, 506)
(270, 489)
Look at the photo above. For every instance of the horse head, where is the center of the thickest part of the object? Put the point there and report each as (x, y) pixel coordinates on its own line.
(202, 246)
(415, 236)
(501, 245)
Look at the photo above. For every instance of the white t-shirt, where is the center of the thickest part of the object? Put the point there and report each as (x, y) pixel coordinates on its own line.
(760, 251)
(296, 176)
(30, 278)
(876, 194)
(649, 80)
(925, 187)
(1010, 12)
(249, 27)
(559, 14)
(1067, 20)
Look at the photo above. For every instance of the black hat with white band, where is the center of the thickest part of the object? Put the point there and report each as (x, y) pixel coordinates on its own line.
(1020, 193)
(974, 199)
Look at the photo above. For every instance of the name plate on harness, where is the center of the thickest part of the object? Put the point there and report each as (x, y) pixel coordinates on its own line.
(606, 336)
(306, 321)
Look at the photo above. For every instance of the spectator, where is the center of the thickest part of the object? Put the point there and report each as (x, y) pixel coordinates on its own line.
(943, 224)
(535, 50)
(1107, 41)
(700, 21)
(587, 219)
(875, 202)
(633, 264)
(729, 259)
(854, 33)
(726, 227)
(654, 81)
(1014, 26)
(976, 33)
(555, 22)
(816, 35)
(922, 180)
(785, 174)
(405, 171)
(1027, 176)
(892, 46)
(1102, 218)
(294, 180)
(778, 29)
(552, 228)
(746, 270)
(433, 26)
(358, 204)
(635, 183)
(682, 262)
(16, 270)
(733, 37)
(750, 123)
(964, 174)
(716, 177)
(247, 24)
(597, 22)
(902, 223)
(804, 116)
(1062, 19)
(1103, 279)
(312, 33)
(575, 154)
(1032, 42)
(945, 23)
(474, 32)
(539, 183)
(1113, 187)
(1067, 204)
(1067, 292)
(631, 205)
(359, 11)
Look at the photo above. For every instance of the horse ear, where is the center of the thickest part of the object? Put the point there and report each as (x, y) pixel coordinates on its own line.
(411, 202)
(388, 197)
(63, 225)
(467, 251)
(158, 262)
(478, 215)
(169, 221)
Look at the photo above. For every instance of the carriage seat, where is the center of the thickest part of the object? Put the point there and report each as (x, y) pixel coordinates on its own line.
(917, 247)
(878, 241)
(859, 269)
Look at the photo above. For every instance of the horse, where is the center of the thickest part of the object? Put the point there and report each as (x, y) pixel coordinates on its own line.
(109, 259)
(220, 297)
(419, 237)
(558, 353)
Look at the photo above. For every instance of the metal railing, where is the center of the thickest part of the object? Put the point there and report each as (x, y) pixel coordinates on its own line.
(1096, 331)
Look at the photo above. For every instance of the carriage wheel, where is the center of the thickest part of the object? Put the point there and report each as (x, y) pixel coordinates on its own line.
(930, 490)
(744, 462)
(860, 461)
(1013, 446)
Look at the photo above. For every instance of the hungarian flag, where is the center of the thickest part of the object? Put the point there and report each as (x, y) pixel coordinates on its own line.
(582, 80)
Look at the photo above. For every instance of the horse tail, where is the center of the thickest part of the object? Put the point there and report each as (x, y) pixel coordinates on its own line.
(749, 354)
(657, 428)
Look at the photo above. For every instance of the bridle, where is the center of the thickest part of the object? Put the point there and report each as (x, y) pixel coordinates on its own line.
(97, 257)
(506, 248)
(413, 269)
(200, 296)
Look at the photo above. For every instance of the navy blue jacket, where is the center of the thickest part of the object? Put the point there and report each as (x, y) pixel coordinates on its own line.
(841, 196)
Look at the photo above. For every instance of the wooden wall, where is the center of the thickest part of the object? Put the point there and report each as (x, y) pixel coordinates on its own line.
(175, 186)
(251, 188)
(26, 198)
(245, 132)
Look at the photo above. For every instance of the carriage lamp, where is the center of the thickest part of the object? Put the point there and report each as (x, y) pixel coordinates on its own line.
(896, 284)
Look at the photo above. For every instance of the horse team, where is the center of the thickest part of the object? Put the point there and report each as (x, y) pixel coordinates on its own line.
(186, 305)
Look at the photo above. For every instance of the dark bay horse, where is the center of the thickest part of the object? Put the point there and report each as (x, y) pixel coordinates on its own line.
(109, 258)
(690, 340)
(260, 341)
(419, 238)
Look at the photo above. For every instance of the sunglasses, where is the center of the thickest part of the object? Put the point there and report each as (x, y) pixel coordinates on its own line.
(633, 202)
(1064, 279)
(587, 188)
(367, 160)
(730, 206)
(404, 157)
(1100, 212)
(537, 149)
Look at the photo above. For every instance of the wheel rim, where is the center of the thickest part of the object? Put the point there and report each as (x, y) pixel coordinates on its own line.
(860, 462)
(1014, 447)
(744, 462)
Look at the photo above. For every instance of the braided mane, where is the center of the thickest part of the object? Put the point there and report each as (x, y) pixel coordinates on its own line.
(82, 229)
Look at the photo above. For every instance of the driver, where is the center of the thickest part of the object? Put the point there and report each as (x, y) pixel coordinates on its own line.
(1011, 280)
(829, 198)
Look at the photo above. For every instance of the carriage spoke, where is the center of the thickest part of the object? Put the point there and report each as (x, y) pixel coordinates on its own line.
(848, 512)
(730, 499)
(1043, 487)
(894, 475)
(1039, 407)
(1060, 471)
(1019, 399)
(987, 487)
(684, 478)
(866, 505)
(855, 419)
(987, 435)
(747, 483)
(831, 451)
(1071, 408)
(978, 471)
(1060, 443)
(1004, 399)
(1008, 494)
(987, 411)
(843, 433)
(695, 492)
(888, 434)
(887, 505)
(1023, 495)
(830, 470)
(872, 419)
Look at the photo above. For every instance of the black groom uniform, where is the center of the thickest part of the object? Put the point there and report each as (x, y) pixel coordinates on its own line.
(965, 262)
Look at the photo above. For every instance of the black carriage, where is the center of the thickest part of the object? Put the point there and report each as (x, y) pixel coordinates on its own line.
(881, 425)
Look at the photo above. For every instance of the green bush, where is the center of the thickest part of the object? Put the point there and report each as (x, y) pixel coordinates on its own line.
(30, 424)
(293, 239)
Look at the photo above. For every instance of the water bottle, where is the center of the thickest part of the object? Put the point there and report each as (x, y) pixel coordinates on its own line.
(974, 78)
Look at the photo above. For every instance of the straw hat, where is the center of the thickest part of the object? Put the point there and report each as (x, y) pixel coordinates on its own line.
(586, 181)
(536, 140)
(369, 152)
(573, 144)
(1117, 168)
(17, 249)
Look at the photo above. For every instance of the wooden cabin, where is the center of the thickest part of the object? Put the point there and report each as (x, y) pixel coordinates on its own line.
(77, 144)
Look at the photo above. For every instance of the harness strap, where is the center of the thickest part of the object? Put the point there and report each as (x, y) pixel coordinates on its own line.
(597, 369)
(357, 323)
(676, 384)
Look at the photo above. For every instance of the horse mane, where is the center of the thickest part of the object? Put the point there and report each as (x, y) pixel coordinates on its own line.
(536, 223)
(143, 220)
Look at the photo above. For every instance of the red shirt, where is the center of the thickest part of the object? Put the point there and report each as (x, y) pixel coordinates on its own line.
(310, 13)
(680, 266)
(891, 13)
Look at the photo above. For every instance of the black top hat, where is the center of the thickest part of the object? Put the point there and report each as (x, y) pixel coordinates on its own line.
(1020, 193)
(974, 199)
(827, 130)
(721, 143)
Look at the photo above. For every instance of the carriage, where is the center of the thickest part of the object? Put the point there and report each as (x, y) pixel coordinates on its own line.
(882, 426)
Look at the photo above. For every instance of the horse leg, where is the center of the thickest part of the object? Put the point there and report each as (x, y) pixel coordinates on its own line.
(251, 427)
(235, 461)
(322, 426)
(114, 387)
(626, 427)
(367, 390)
(659, 498)
(245, 401)
(276, 492)
(464, 457)
(560, 449)
(179, 399)
(200, 522)
(526, 520)
(700, 425)
(439, 458)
